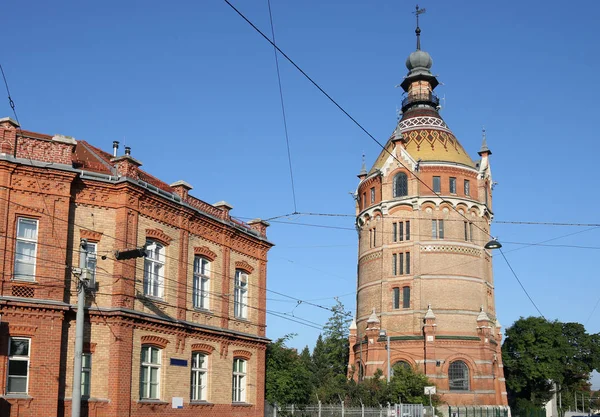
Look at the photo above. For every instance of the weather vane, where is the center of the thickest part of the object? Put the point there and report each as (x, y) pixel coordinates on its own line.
(418, 12)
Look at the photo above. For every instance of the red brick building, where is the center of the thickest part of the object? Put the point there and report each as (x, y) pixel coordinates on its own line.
(425, 279)
(185, 322)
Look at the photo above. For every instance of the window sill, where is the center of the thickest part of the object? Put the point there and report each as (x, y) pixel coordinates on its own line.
(153, 299)
(153, 402)
(199, 403)
(203, 310)
(241, 404)
(243, 319)
(25, 281)
(17, 396)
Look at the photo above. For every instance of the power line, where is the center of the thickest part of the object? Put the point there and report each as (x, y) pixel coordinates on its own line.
(287, 139)
(520, 283)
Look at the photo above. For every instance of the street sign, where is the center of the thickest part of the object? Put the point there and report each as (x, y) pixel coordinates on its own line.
(430, 390)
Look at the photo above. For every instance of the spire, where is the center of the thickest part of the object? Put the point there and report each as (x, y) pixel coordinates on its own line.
(484, 146)
(483, 315)
(353, 325)
(373, 321)
(363, 169)
(429, 314)
(417, 12)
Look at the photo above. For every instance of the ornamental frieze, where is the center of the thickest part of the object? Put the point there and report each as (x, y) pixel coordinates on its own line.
(370, 257)
(463, 250)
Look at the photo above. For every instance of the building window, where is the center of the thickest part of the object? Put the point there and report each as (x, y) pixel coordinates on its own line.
(239, 380)
(199, 376)
(396, 298)
(240, 296)
(150, 373)
(364, 200)
(86, 374)
(401, 365)
(154, 269)
(401, 267)
(467, 188)
(373, 237)
(26, 248)
(486, 194)
(394, 232)
(394, 264)
(458, 376)
(406, 297)
(18, 365)
(471, 231)
(401, 231)
(372, 195)
(437, 185)
(400, 185)
(408, 230)
(437, 229)
(90, 263)
(452, 185)
(408, 262)
(466, 231)
(201, 282)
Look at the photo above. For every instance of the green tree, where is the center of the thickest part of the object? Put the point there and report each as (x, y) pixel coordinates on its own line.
(288, 380)
(538, 353)
(408, 386)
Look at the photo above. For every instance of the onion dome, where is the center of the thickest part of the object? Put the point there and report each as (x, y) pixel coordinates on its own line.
(419, 59)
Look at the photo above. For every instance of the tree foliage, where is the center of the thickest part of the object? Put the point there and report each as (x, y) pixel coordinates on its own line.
(538, 353)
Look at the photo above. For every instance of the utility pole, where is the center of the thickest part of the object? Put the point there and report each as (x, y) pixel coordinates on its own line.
(82, 274)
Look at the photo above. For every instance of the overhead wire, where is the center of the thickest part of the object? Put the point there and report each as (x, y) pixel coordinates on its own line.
(285, 127)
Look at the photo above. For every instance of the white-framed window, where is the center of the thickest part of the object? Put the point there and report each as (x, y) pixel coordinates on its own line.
(239, 380)
(92, 249)
(18, 365)
(150, 373)
(86, 374)
(240, 296)
(199, 376)
(26, 249)
(201, 284)
(437, 229)
(154, 269)
(458, 376)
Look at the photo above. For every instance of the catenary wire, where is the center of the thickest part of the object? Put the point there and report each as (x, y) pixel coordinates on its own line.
(285, 127)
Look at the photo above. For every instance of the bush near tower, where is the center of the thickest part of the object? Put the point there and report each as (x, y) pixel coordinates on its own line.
(538, 353)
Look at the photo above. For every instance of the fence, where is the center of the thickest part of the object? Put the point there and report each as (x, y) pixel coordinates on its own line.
(340, 410)
(489, 411)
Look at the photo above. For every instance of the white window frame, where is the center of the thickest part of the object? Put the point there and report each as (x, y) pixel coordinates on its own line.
(199, 379)
(90, 264)
(154, 270)
(18, 358)
(145, 387)
(86, 369)
(239, 380)
(22, 241)
(437, 229)
(240, 295)
(201, 284)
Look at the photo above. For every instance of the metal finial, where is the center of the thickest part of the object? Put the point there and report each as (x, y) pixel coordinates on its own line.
(363, 169)
(417, 12)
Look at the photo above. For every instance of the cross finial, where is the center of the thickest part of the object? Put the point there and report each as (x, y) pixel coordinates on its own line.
(418, 11)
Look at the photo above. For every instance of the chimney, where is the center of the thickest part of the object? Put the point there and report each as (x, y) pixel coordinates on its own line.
(128, 150)
(115, 147)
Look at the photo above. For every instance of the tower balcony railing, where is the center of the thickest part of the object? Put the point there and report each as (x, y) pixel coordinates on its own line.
(420, 98)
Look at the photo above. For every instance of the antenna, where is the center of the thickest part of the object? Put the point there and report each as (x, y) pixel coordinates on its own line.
(418, 12)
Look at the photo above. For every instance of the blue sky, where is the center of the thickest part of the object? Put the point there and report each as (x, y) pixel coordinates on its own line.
(193, 90)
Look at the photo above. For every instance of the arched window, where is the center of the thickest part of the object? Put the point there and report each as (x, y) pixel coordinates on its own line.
(401, 364)
(400, 185)
(458, 376)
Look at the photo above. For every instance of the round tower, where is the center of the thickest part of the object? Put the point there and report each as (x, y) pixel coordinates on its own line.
(423, 215)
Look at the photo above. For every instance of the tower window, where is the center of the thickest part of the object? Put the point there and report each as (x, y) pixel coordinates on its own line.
(401, 231)
(394, 264)
(437, 184)
(437, 229)
(406, 297)
(408, 230)
(396, 298)
(471, 231)
(452, 185)
(372, 195)
(401, 267)
(394, 232)
(408, 262)
(458, 376)
(466, 231)
(467, 188)
(400, 185)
